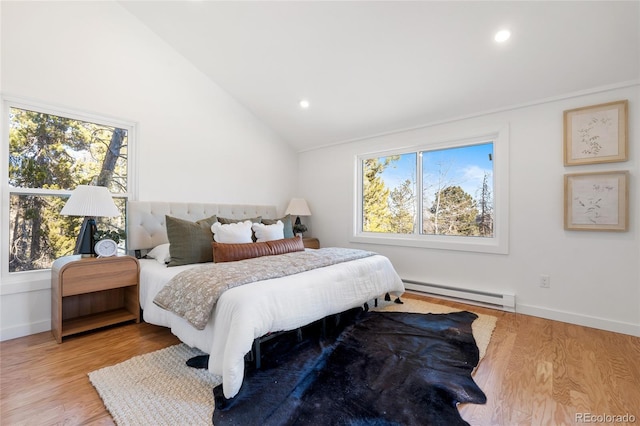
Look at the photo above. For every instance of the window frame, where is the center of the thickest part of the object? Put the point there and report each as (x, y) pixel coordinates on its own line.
(498, 244)
(23, 281)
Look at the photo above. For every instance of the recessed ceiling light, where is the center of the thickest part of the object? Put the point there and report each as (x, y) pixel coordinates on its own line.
(502, 36)
(304, 104)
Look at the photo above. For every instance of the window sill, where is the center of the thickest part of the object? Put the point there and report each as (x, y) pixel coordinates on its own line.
(436, 242)
(25, 282)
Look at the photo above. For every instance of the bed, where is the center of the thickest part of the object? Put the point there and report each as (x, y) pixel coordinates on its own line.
(250, 311)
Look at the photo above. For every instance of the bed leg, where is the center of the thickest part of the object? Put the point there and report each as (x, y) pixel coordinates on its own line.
(257, 355)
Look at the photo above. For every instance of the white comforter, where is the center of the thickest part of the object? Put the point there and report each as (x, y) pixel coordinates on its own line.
(245, 313)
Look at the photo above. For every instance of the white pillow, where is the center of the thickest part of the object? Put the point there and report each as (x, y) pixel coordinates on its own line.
(232, 232)
(160, 253)
(268, 232)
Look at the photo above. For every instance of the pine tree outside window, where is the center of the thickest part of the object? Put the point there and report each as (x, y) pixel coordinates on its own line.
(50, 152)
(450, 195)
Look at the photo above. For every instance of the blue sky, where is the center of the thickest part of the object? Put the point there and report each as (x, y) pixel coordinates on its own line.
(462, 166)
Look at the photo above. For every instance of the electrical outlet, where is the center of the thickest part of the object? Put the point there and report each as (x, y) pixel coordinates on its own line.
(545, 281)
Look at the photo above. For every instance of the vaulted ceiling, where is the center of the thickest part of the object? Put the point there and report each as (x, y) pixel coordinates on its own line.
(369, 67)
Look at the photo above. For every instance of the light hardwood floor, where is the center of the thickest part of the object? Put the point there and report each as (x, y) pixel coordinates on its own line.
(536, 372)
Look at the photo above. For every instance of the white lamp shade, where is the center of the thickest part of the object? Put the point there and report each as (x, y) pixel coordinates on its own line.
(298, 207)
(86, 200)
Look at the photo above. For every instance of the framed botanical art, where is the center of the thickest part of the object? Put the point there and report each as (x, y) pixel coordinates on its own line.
(596, 201)
(596, 134)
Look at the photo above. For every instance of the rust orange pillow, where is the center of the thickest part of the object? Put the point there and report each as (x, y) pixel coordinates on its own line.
(226, 252)
(286, 245)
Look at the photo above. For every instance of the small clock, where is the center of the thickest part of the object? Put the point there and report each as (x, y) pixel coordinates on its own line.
(106, 248)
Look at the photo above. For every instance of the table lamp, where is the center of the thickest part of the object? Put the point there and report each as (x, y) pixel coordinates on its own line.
(298, 207)
(89, 201)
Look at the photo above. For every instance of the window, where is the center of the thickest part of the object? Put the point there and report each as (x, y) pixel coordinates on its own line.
(49, 153)
(389, 194)
(448, 195)
(457, 196)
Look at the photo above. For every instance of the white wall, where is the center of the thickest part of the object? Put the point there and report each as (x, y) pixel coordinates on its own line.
(194, 142)
(594, 275)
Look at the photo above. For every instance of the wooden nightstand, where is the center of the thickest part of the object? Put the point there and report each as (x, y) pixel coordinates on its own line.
(312, 243)
(91, 292)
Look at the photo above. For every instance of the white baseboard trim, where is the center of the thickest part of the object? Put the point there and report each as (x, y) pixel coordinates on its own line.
(24, 330)
(584, 320)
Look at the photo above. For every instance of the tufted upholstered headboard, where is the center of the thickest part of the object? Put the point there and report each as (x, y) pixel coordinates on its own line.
(146, 219)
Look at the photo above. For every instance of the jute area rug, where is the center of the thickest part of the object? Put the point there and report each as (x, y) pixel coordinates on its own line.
(158, 388)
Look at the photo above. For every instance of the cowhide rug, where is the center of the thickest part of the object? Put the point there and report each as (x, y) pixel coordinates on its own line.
(383, 368)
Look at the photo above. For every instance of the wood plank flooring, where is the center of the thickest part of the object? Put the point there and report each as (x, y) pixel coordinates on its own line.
(536, 372)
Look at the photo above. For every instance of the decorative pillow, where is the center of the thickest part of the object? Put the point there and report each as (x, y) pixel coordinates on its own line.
(190, 242)
(288, 225)
(268, 232)
(226, 221)
(232, 233)
(287, 245)
(160, 253)
(233, 252)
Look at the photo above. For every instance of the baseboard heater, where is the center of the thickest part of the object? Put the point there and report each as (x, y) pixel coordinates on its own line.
(505, 302)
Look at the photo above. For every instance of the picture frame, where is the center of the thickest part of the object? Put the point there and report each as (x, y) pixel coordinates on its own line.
(596, 134)
(596, 201)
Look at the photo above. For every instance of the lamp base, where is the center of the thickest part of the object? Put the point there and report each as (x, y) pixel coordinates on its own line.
(85, 243)
(299, 228)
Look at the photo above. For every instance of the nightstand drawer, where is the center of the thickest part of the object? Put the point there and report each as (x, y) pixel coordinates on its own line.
(89, 277)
